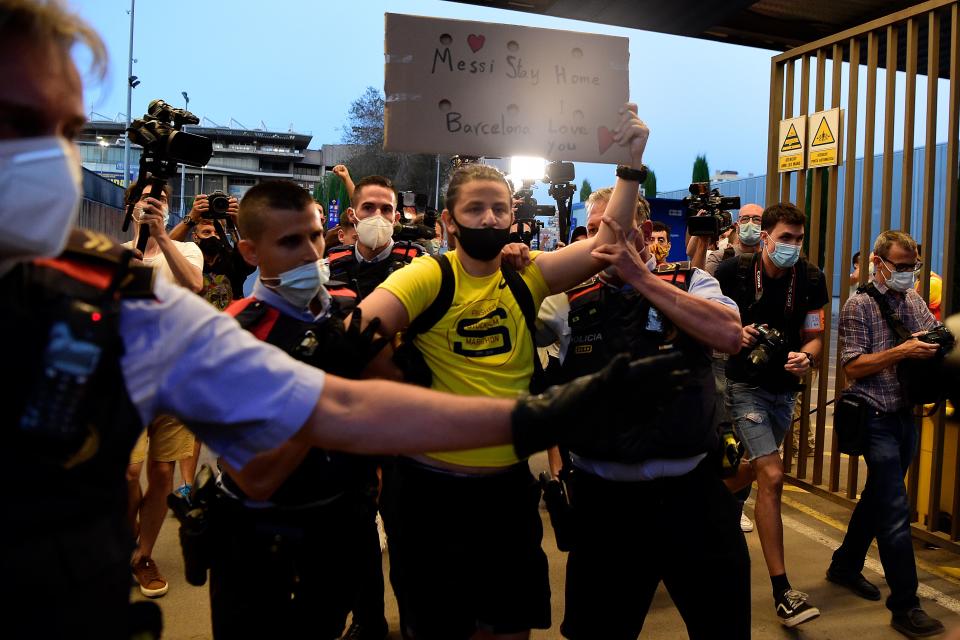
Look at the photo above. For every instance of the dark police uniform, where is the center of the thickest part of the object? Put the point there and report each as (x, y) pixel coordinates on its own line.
(100, 350)
(660, 511)
(288, 567)
(364, 276)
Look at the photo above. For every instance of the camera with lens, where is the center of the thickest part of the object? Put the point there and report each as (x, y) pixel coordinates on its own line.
(941, 337)
(219, 205)
(716, 207)
(165, 145)
(771, 348)
(927, 381)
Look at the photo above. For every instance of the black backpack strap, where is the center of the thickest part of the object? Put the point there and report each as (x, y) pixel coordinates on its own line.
(521, 293)
(440, 305)
(745, 276)
(894, 321)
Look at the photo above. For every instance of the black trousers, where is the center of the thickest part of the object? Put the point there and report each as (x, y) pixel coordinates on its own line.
(286, 574)
(630, 536)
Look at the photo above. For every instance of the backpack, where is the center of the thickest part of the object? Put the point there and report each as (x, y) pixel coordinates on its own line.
(409, 358)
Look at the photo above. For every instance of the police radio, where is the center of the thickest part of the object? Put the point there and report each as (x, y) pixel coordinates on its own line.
(52, 412)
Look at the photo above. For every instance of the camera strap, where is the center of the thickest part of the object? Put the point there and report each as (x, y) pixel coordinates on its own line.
(893, 320)
(791, 299)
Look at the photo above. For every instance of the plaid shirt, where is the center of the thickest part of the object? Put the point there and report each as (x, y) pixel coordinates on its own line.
(864, 330)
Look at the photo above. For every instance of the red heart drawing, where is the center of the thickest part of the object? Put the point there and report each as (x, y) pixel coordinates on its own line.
(475, 42)
(604, 138)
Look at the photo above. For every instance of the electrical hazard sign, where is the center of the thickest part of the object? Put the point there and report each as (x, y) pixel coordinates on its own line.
(792, 144)
(824, 142)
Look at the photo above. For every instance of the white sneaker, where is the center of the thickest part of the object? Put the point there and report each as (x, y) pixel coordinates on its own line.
(746, 524)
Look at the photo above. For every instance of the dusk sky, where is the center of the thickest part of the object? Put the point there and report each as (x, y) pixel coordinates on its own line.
(299, 63)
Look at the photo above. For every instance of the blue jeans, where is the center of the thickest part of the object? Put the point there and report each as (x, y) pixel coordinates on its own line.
(884, 509)
(761, 418)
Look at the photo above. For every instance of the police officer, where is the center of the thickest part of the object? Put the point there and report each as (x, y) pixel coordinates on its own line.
(101, 351)
(621, 550)
(375, 256)
(293, 521)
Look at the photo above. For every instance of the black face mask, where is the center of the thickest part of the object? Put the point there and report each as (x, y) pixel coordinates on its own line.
(484, 243)
(211, 247)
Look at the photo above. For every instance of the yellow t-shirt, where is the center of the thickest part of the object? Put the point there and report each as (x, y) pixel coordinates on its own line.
(481, 347)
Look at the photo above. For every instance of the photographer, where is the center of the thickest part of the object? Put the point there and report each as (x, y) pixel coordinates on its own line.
(101, 347)
(636, 307)
(781, 298)
(870, 353)
(222, 262)
(745, 238)
(178, 262)
(376, 255)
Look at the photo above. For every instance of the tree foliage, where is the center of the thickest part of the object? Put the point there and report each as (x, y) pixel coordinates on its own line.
(408, 171)
(650, 184)
(701, 170)
(585, 190)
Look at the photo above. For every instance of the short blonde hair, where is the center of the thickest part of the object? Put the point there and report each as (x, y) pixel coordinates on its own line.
(881, 247)
(641, 215)
(50, 20)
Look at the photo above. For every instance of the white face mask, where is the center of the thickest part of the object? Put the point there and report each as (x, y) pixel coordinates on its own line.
(40, 192)
(899, 281)
(374, 232)
(300, 285)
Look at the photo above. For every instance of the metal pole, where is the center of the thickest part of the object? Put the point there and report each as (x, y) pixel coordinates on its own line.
(183, 167)
(126, 142)
(436, 194)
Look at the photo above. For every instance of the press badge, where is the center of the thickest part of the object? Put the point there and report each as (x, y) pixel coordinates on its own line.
(813, 323)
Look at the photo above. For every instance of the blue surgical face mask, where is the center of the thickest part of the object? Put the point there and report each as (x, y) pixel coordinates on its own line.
(899, 281)
(784, 254)
(749, 233)
(300, 285)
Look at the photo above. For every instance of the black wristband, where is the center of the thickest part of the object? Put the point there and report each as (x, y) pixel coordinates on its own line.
(634, 175)
(813, 362)
(190, 222)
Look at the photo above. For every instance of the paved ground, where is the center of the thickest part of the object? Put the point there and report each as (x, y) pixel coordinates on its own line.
(812, 528)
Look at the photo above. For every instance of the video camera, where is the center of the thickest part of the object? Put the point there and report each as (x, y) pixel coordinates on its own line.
(717, 216)
(165, 145)
(427, 230)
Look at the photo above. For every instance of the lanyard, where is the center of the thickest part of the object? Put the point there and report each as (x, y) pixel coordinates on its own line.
(791, 291)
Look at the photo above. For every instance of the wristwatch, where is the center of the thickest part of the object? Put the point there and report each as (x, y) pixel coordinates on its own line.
(190, 222)
(634, 175)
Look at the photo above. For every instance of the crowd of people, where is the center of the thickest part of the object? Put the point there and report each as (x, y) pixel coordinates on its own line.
(363, 380)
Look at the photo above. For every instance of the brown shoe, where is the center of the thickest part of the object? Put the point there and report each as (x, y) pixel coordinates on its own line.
(152, 584)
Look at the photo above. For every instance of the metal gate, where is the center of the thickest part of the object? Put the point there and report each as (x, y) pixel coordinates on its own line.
(919, 41)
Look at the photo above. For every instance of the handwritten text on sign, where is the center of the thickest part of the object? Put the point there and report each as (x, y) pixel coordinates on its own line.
(483, 89)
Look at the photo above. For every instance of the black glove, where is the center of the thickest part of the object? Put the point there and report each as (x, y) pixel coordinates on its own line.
(603, 411)
(348, 351)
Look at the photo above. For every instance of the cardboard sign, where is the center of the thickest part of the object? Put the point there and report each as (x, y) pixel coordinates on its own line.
(792, 142)
(485, 89)
(824, 138)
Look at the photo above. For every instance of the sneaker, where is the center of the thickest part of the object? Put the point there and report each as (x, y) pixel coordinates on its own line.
(152, 584)
(915, 623)
(856, 583)
(358, 631)
(746, 524)
(792, 608)
(184, 491)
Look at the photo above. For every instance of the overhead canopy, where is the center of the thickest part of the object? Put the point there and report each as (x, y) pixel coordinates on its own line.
(769, 24)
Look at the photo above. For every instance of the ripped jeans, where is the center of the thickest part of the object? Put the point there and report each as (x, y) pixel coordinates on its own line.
(761, 418)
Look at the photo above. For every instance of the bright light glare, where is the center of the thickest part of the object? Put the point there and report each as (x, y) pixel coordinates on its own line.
(527, 168)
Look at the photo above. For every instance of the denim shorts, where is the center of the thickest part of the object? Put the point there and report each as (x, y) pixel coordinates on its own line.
(761, 418)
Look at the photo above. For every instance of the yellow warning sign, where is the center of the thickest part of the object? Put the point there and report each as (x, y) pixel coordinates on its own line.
(792, 141)
(823, 135)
